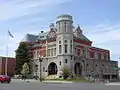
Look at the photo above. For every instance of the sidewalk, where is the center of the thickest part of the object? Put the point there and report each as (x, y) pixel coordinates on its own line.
(44, 81)
(114, 83)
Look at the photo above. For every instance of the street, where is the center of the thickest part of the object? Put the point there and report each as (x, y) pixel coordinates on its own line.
(20, 85)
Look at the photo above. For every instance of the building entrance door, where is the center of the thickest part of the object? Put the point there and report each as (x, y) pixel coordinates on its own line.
(78, 69)
(52, 69)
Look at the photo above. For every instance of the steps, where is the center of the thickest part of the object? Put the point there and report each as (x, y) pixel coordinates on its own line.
(51, 77)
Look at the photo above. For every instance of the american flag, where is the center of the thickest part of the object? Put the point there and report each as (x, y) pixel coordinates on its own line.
(10, 34)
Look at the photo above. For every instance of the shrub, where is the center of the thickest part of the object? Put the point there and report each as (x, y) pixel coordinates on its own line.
(66, 72)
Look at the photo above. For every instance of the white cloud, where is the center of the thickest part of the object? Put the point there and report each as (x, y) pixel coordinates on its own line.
(17, 8)
(12, 9)
(105, 36)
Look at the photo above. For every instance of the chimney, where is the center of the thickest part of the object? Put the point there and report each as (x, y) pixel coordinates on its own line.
(42, 31)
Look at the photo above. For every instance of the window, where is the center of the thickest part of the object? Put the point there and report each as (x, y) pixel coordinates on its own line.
(78, 52)
(65, 60)
(65, 48)
(59, 42)
(75, 51)
(91, 54)
(70, 48)
(71, 57)
(38, 53)
(36, 68)
(55, 51)
(105, 56)
(41, 36)
(65, 27)
(99, 55)
(65, 41)
(74, 58)
(60, 63)
(83, 52)
(87, 65)
(35, 54)
(60, 49)
(51, 52)
(43, 69)
(48, 52)
(49, 46)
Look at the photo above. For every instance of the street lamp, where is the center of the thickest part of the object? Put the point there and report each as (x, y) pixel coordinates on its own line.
(40, 60)
(36, 69)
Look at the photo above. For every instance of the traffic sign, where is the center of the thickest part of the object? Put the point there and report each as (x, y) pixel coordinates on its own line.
(116, 68)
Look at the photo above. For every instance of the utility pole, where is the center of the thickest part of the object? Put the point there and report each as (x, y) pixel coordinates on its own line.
(40, 60)
(119, 62)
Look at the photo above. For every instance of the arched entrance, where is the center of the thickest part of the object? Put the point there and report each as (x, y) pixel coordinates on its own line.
(52, 68)
(78, 69)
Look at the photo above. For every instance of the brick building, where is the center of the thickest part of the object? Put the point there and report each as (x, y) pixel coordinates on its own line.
(10, 65)
(64, 45)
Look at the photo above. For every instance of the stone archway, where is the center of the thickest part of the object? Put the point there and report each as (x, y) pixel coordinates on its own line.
(78, 69)
(52, 68)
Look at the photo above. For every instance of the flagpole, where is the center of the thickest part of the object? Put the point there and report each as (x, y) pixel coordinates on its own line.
(6, 64)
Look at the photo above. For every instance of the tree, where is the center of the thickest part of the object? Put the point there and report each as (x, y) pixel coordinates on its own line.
(22, 56)
(25, 70)
(65, 72)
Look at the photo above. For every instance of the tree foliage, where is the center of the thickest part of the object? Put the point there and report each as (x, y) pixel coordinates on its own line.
(22, 56)
(25, 70)
(66, 72)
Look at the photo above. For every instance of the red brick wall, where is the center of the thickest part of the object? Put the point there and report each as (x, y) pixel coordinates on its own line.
(101, 51)
(43, 53)
(3, 66)
(11, 66)
(82, 42)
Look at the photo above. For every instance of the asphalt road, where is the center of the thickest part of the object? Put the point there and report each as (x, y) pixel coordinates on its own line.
(44, 86)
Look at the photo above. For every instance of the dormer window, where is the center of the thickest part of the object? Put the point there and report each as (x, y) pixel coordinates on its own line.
(41, 36)
(42, 31)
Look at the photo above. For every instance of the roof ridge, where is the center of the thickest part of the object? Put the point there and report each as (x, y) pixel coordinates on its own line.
(31, 34)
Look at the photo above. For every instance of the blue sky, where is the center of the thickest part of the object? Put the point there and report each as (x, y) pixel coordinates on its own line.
(99, 20)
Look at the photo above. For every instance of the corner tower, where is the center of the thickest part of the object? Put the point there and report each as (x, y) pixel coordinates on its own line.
(64, 39)
(64, 24)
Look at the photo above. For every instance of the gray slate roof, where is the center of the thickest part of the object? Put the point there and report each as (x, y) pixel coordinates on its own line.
(30, 38)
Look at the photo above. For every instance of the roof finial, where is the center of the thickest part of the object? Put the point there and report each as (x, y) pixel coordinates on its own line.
(78, 26)
(52, 25)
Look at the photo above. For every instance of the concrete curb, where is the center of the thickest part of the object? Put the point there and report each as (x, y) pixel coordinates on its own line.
(112, 84)
(57, 82)
(46, 81)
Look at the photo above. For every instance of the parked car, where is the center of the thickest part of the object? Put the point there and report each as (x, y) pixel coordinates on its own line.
(5, 78)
